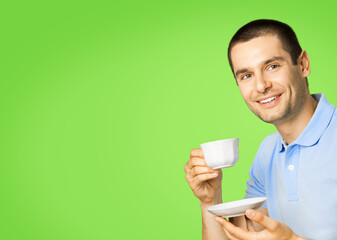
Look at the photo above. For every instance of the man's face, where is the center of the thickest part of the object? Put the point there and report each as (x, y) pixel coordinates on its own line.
(272, 86)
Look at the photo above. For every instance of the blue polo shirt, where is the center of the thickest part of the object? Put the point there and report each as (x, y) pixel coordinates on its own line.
(300, 180)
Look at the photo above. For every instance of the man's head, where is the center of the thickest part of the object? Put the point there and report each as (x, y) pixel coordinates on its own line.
(263, 27)
(270, 69)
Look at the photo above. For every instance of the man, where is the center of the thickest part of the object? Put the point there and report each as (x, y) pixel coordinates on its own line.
(296, 167)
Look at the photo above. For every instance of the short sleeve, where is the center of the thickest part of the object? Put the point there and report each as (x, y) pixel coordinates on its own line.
(255, 184)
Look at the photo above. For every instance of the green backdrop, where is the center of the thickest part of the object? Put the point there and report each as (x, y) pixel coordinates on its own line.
(102, 101)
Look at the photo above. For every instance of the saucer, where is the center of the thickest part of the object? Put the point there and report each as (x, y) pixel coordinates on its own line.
(236, 208)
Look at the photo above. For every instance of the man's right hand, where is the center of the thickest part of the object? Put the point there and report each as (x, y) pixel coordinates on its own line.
(204, 181)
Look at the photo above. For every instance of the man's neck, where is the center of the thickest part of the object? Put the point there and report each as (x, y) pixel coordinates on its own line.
(292, 129)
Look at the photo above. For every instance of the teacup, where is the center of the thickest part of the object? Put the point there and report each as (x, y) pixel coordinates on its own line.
(222, 153)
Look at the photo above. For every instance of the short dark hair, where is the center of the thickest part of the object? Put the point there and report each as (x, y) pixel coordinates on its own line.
(264, 27)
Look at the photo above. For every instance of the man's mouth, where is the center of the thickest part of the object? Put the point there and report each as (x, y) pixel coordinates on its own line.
(268, 100)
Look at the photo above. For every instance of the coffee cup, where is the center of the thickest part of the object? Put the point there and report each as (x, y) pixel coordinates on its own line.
(222, 153)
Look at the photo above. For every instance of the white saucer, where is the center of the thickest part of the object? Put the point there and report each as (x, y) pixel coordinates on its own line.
(236, 208)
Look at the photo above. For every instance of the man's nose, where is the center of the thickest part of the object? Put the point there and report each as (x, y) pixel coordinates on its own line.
(262, 83)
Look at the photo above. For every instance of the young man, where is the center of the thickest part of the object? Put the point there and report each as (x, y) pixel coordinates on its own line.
(296, 167)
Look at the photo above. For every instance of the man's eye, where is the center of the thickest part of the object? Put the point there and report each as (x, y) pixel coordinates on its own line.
(273, 67)
(246, 76)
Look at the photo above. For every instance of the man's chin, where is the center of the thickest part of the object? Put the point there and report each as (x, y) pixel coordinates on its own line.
(269, 116)
(273, 119)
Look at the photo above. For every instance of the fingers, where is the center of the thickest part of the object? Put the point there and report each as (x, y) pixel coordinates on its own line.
(250, 225)
(230, 236)
(195, 161)
(221, 220)
(198, 174)
(234, 232)
(265, 221)
(203, 177)
(203, 180)
(197, 170)
(197, 152)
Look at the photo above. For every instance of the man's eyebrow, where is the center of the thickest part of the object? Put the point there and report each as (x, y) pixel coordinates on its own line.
(276, 58)
(238, 72)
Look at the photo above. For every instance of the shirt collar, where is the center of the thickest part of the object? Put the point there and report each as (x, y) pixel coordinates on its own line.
(316, 126)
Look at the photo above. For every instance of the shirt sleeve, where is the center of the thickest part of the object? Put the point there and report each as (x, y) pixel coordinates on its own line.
(256, 184)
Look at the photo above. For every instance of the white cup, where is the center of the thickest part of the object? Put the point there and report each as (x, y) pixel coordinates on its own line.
(221, 153)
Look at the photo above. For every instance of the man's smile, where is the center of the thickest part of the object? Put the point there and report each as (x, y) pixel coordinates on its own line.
(269, 100)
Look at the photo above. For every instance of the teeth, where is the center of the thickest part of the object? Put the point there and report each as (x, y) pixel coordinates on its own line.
(268, 100)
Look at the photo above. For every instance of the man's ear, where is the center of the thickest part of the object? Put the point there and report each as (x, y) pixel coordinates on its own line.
(304, 64)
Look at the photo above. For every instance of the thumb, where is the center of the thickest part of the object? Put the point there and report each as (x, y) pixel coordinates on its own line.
(258, 217)
(253, 214)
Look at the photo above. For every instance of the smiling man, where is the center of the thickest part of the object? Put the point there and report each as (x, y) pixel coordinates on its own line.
(296, 167)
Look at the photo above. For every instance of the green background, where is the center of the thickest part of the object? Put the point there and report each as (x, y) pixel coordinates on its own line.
(102, 101)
